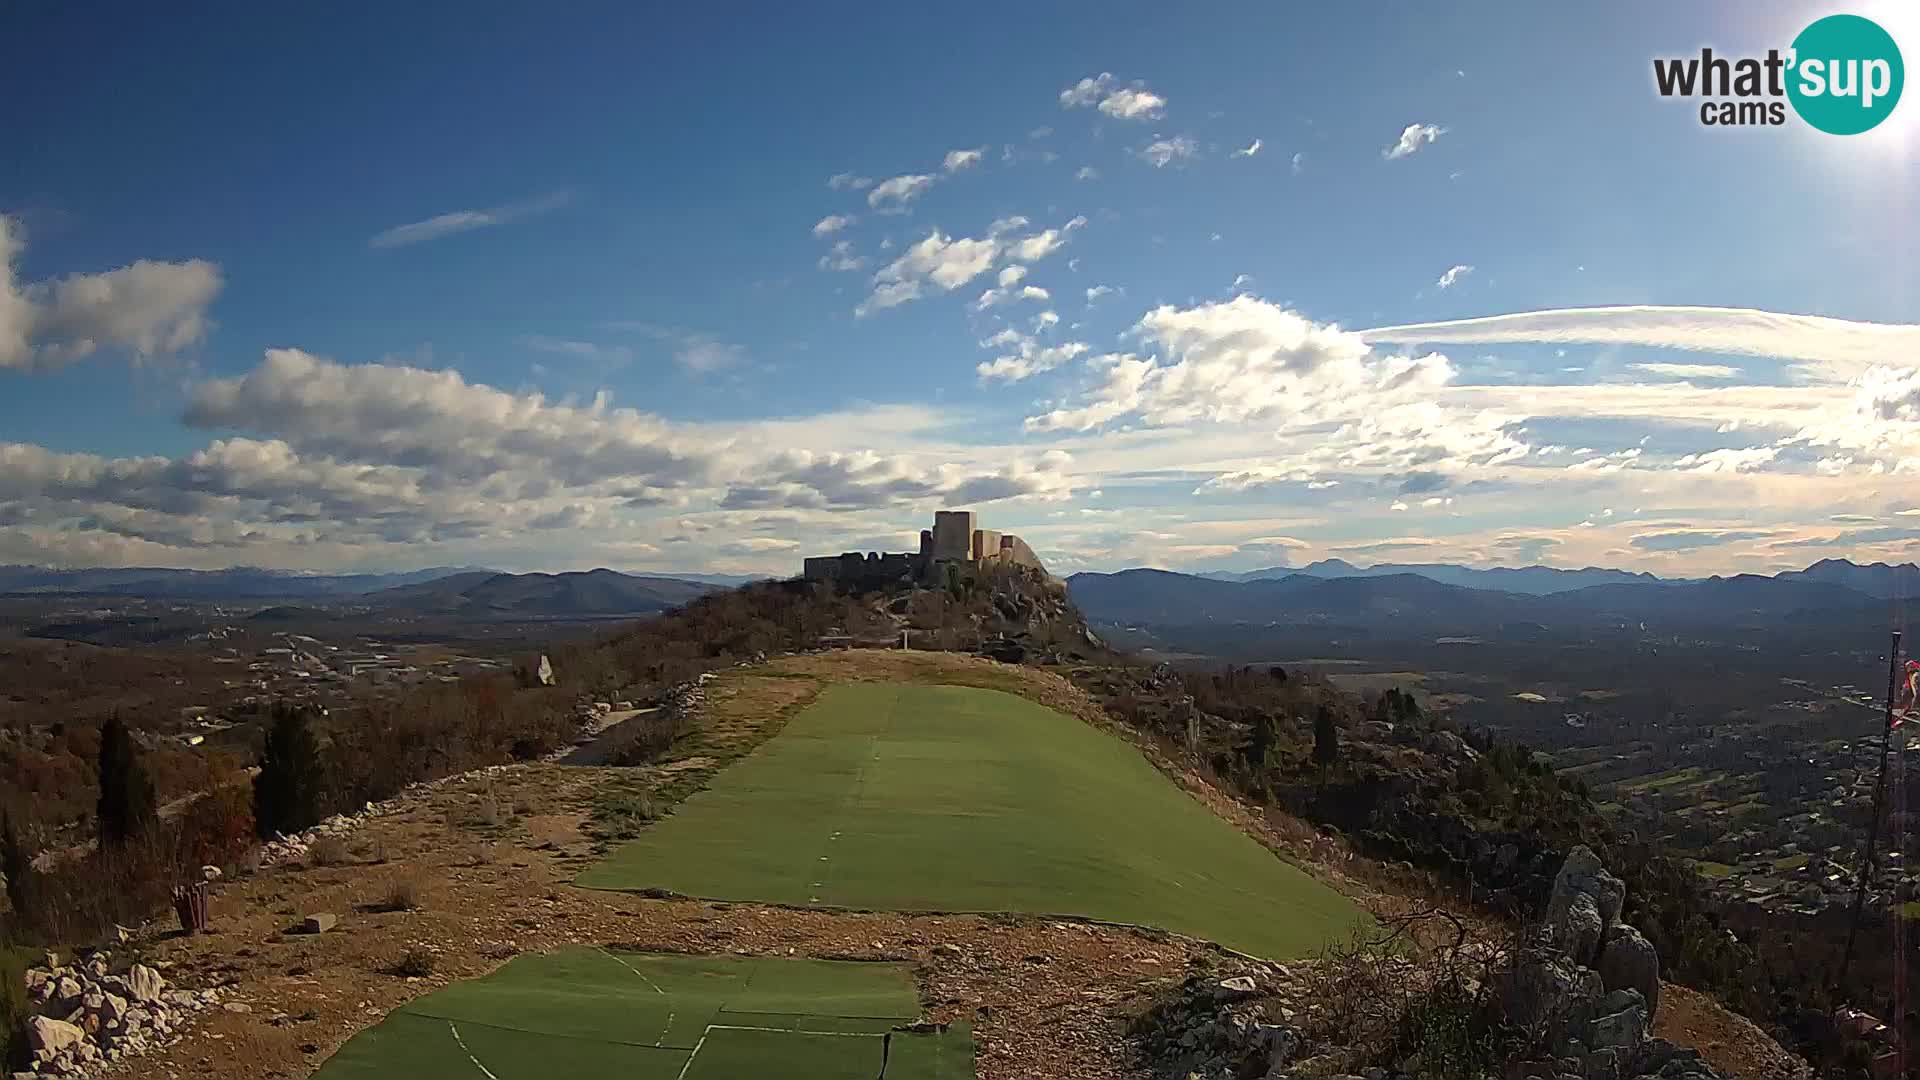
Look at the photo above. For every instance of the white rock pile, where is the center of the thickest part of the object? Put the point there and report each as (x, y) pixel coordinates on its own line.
(85, 1015)
(283, 849)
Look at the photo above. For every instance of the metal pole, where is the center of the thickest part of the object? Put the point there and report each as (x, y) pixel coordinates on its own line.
(1873, 826)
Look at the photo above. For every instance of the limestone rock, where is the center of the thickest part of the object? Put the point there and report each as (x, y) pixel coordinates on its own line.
(47, 1037)
(1584, 874)
(1629, 962)
(1578, 928)
(145, 984)
(318, 923)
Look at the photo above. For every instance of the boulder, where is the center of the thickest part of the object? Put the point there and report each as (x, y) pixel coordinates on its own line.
(1622, 1032)
(1582, 873)
(1628, 962)
(1576, 928)
(318, 923)
(47, 1037)
(145, 984)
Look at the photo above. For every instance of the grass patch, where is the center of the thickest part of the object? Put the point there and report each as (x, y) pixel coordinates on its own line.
(1713, 871)
(943, 798)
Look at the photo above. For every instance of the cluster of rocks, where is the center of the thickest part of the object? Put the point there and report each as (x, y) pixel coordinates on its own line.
(284, 849)
(86, 1014)
(1213, 1028)
(1587, 986)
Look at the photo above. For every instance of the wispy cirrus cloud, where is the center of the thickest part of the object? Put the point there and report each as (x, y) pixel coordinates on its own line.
(459, 221)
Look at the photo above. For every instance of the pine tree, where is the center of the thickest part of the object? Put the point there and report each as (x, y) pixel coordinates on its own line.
(1326, 737)
(128, 806)
(289, 792)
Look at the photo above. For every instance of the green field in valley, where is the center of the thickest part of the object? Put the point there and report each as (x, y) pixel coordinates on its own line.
(942, 798)
(641, 1016)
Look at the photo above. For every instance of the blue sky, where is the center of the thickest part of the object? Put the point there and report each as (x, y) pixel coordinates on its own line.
(544, 290)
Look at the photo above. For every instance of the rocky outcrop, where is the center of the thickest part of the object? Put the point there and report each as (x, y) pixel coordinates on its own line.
(87, 1014)
(1217, 1028)
(1586, 986)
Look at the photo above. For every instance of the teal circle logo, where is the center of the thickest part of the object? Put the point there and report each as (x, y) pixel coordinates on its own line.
(1846, 74)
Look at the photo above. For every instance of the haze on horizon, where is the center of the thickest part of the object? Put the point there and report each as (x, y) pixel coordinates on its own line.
(346, 290)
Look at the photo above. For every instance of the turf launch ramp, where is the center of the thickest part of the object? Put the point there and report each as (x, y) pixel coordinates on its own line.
(954, 799)
(642, 1016)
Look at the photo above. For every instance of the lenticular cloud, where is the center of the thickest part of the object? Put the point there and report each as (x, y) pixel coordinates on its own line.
(1846, 346)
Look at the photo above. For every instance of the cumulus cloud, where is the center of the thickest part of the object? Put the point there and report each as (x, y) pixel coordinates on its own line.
(847, 181)
(1727, 460)
(893, 196)
(1299, 163)
(1412, 139)
(1086, 172)
(146, 309)
(1105, 93)
(1162, 152)
(1453, 275)
(1239, 360)
(1847, 346)
(459, 221)
(962, 159)
(1029, 360)
(945, 263)
(1248, 150)
(832, 223)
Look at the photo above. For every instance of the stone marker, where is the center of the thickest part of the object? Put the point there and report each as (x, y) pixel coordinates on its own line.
(318, 923)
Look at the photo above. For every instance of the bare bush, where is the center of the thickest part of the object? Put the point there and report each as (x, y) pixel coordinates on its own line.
(328, 851)
(405, 892)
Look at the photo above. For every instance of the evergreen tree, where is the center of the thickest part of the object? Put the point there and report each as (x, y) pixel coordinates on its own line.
(289, 794)
(16, 865)
(128, 807)
(1266, 732)
(1326, 737)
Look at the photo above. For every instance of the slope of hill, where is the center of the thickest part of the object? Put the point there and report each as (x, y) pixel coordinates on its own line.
(592, 592)
(1874, 579)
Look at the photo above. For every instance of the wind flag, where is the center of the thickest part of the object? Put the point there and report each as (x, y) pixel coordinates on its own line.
(1906, 702)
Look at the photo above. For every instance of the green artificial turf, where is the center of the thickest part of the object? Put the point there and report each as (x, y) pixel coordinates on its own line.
(943, 798)
(591, 1013)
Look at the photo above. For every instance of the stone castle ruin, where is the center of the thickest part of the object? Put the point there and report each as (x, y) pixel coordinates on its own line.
(955, 539)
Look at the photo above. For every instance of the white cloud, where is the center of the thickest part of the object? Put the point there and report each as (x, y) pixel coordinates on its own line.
(1103, 91)
(1847, 347)
(832, 223)
(1689, 371)
(847, 181)
(1031, 359)
(947, 263)
(1299, 163)
(1165, 151)
(1248, 150)
(459, 221)
(1412, 139)
(1728, 460)
(703, 357)
(1009, 294)
(893, 196)
(1453, 275)
(961, 159)
(592, 351)
(841, 257)
(146, 308)
(1098, 291)
(1087, 172)
(1012, 275)
(1244, 359)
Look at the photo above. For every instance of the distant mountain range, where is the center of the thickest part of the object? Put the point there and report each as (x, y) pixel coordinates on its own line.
(472, 591)
(240, 582)
(1383, 601)
(1532, 580)
(484, 593)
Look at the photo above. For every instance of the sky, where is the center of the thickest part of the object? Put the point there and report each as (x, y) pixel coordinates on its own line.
(1203, 288)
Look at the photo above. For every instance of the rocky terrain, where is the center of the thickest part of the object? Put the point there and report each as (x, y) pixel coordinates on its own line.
(95, 1012)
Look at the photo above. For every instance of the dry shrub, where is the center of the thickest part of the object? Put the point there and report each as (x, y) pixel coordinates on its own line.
(405, 892)
(415, 963)
(377, 850)
(328, 851)
(522, 806)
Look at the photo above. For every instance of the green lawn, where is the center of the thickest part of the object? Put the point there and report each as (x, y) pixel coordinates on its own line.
(942, 798)
(637, 1016)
